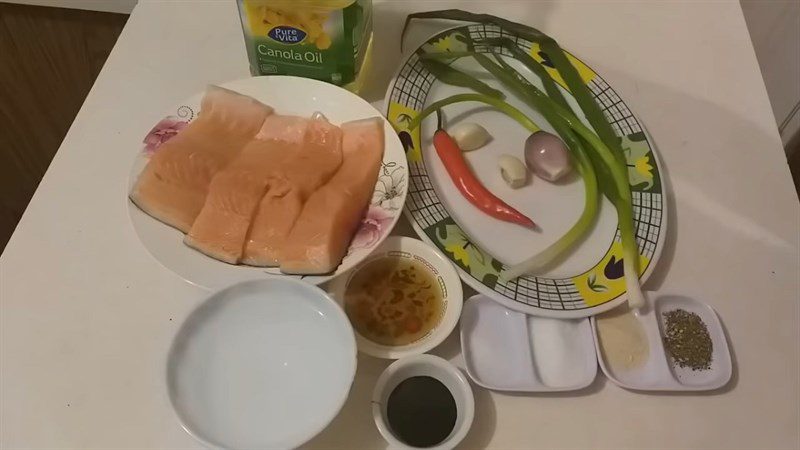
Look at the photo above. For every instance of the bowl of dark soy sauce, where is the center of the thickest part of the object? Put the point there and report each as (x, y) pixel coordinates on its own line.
(423, 401)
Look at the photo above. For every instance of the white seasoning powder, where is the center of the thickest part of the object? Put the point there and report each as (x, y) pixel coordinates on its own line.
(622, 339)
(559, 350)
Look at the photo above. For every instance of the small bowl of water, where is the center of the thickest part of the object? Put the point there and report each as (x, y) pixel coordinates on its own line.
(423, 401)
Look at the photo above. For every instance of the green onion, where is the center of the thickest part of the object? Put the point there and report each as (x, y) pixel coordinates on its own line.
(615, 186)
(500, 105)
(550, 86)
(608, 182)
(524, 89)
(557, 56)
(443, 55)
(558, 249)
(456, 14)
(455, 77)
(547, 107)
(607, 153)
(584, 98)
(580, 228)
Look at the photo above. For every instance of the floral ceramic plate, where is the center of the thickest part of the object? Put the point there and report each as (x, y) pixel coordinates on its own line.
(590, 280)
(288, 95)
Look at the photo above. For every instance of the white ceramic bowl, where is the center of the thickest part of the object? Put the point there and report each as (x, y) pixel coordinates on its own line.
(261, 364)
(424, 365)
(443, 271)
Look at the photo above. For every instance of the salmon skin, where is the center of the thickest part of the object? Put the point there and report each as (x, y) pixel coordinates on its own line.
(173, 186)
(301, 174)
(322, 233)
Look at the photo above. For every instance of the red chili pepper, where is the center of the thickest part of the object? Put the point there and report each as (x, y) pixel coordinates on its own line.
(469, 185)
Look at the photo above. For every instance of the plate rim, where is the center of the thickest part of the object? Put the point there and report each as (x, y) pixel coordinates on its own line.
(483, 289)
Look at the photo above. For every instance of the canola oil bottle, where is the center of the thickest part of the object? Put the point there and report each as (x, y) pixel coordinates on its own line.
(328, 40)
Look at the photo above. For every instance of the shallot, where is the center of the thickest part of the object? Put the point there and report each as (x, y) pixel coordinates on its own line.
(547, 156)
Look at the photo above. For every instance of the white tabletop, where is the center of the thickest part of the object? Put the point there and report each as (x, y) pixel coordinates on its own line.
(88, 315)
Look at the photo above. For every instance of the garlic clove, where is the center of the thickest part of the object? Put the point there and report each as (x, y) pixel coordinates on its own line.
(512, 170)
(469, 135)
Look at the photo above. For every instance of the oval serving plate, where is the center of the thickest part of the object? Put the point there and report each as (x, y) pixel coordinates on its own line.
(287, 95)
(590, 279)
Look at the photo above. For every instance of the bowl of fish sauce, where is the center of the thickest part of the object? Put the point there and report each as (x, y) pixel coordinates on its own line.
(403, 300)
(423, 401)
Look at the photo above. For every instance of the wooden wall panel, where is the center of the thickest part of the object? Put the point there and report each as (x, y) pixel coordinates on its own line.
(49, 59)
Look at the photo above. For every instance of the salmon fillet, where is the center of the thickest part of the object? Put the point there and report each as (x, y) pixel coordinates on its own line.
(233, 196)
(285, 128)
(302, 173)
(173, 186)
(323, 231)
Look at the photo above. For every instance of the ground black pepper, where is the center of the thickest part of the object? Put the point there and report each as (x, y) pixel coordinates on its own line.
(687, 340)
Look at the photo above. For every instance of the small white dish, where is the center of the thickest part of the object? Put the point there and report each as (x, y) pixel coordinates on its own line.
(424, 365)
(261, 364)
(506, 350)
(449, 283)
(659, 373)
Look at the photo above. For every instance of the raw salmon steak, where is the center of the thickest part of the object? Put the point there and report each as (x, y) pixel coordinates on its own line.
(233, 196)
(323, 231)
(284, 128)
(173, 186)
(301, 174)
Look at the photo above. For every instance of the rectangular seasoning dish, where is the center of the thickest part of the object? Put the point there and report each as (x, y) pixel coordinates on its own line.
(659, 373)
(506, 350)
